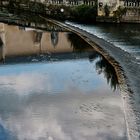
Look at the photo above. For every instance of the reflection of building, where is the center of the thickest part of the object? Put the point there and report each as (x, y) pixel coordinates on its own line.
(54, 38)
(2, 42)
(26, 42)
(38, 37)
(1, 49)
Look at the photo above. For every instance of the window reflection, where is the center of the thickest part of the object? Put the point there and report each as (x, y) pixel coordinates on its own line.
(54, 38)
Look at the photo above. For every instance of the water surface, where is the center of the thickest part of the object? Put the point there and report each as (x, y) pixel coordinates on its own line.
(54, 86)
(125, 36)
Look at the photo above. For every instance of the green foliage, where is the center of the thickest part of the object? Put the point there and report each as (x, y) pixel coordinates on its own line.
(54, 11)
(37, 7)
(84, 13)
(120, 12)
(107, 11)
(81, 13)
(25, 5)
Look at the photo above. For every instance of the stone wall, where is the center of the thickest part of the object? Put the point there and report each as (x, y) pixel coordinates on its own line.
(132, 6)
(132, 15)
(112, 5)
(133, 11)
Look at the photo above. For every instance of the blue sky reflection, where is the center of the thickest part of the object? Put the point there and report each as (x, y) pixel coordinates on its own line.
(64, 100)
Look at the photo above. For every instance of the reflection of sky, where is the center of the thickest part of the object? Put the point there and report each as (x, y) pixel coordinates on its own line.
(58, 101)
(42, 77)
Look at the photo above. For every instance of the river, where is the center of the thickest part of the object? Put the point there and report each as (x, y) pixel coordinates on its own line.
(121, 41)
(54, 86)
(124, 36)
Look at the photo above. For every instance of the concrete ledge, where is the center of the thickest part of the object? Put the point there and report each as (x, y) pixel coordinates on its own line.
(126, 69)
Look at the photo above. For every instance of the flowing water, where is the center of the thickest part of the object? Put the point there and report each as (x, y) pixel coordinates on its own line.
(125, 36)
(54, 86)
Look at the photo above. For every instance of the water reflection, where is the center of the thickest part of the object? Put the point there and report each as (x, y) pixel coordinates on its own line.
(48, 102)
(4, 134)
(62, 97)
(103, 66)
(1, 43)
(125, 36)
(54, 38)
(31, 45)
(31, 42)
(38, 37)
(77, 43)
(24, 20)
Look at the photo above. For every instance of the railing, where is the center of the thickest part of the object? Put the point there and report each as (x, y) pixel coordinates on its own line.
(132, 4)
(53, 2)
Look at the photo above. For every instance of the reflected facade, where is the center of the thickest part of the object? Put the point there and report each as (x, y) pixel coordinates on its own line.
(29, 42)
(53, 87)
(19, 42)
(54, 38)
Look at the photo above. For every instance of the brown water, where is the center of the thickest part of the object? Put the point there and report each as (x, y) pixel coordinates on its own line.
(56, 87)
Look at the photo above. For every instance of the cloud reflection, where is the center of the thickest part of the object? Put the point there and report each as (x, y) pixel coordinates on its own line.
(81, 110)
(50, 117)
(23, 83)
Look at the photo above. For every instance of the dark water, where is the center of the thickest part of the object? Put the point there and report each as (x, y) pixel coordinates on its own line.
(125, 36)
(56, 87)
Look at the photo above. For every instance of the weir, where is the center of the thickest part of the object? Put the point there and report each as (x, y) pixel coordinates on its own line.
(67, 77)
(107, 50)
(127, 70)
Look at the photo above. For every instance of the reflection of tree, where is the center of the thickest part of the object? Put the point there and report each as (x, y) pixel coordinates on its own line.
(54, 38)
(77, 43)
(103, 66)
(94, 56)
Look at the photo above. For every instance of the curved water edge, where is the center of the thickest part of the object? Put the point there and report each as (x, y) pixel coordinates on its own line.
(67, 79)
(124, 36)
(120, 61)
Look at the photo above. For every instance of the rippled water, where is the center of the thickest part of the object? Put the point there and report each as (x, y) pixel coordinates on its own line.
(56, 87)
(125, 36)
